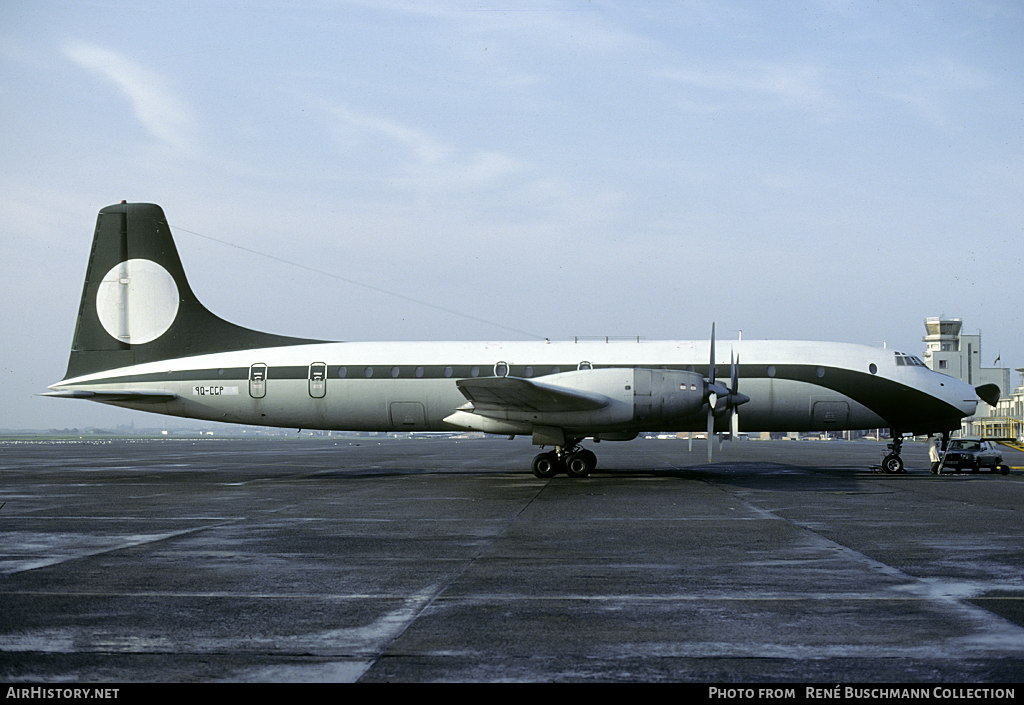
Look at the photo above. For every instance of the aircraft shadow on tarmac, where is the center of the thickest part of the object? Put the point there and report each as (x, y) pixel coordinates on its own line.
(792, 478)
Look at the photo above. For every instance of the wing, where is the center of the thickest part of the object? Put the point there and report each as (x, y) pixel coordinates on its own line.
(517, 394)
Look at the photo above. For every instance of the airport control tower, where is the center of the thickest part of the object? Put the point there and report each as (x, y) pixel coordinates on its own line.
(942, 348)
(951, 352)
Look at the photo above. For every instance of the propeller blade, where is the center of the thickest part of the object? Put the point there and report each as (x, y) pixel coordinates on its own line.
(711, 368)
(735, 398)
(711, 429)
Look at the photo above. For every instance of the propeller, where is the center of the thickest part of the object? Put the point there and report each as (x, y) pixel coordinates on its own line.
(730, 397)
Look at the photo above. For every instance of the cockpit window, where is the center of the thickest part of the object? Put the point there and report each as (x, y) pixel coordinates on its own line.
(904, 360)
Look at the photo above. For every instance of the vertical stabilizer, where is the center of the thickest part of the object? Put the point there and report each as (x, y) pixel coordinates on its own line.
(137, 305)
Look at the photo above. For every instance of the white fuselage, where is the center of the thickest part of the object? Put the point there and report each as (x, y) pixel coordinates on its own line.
(394, 386)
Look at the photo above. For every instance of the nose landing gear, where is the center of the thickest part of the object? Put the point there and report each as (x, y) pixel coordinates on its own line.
(893, 463)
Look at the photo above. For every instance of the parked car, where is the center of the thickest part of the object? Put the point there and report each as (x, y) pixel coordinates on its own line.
(973, 454)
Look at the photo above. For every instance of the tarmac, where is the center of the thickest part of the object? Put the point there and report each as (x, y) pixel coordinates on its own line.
(376, 559)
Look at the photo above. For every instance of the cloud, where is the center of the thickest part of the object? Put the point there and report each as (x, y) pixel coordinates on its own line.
(936, 90)
(160, 111)
(792, 86)
(427, 149)
(434, 165)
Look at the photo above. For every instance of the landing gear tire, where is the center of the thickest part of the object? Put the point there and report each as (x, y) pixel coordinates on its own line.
(892, 464)
(580, 464)
(546, 465)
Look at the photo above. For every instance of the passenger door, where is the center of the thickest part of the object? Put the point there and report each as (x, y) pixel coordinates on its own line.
(258, 380)
(318, 380)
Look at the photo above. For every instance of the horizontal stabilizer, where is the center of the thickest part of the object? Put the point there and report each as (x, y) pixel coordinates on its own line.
(515, 393)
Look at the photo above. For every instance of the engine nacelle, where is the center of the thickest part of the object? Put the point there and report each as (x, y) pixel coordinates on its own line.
(587, 402)
(663, 396)
(646, 399)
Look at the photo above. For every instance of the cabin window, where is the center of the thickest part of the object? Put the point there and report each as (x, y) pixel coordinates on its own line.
(501, 369)
(448, 371)
(770, 371)
(368, 372)
(395, 371)
(873, 368)
(820, 372)
(474, 371)
(342, 371)
(527, 371)
(419, 371)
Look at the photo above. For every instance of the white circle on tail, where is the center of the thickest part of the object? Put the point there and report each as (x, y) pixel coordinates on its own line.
(137, 301)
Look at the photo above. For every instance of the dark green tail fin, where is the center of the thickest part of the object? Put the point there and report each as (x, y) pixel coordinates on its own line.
(137, 305)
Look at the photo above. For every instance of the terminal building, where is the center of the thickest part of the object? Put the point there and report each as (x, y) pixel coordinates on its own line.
(1007, 419)
(951, 351)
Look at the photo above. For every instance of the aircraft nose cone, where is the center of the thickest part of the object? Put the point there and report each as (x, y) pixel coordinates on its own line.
(989, 393)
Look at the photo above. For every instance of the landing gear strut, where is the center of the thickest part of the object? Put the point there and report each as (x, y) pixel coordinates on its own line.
(572, 460)
(893, 463)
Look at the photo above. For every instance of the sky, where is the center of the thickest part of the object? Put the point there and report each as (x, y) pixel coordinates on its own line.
(402, 170)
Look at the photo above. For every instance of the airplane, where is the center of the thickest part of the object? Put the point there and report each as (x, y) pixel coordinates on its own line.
(144, 341)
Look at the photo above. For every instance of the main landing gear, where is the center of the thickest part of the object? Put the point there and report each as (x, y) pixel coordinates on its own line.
(572, 460)
(893, 463)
